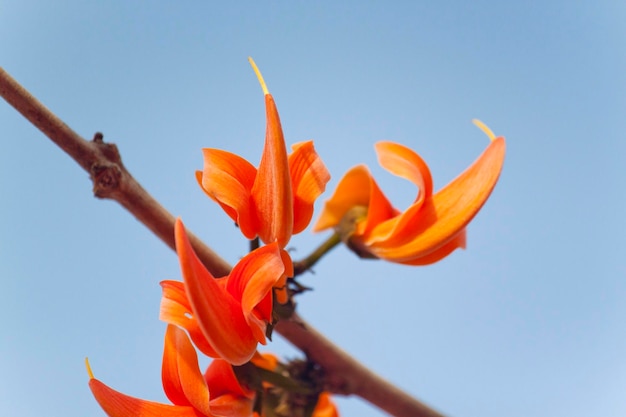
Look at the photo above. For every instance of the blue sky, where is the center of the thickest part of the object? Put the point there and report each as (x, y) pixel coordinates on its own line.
(527, 321)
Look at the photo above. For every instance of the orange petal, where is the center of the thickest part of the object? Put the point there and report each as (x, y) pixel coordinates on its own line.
(116, 404)
(456, 242)
(265, 360)
(183, 382)
(231, 406)
(353, 190)
(218, 314)
(228, 179)
(271, 191)
(379, 209)
(280, 288)
(405, 163)
(325, 407)
(176, 309)
(308, 180)
(222, 380)
(445, 214)
(251, 281)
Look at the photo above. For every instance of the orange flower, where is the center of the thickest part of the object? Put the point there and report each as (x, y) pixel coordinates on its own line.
(276, 200)
(216, 393)
(225, 317)
(432, 227)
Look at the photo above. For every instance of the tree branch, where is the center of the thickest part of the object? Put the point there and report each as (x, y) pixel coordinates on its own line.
(112, 180)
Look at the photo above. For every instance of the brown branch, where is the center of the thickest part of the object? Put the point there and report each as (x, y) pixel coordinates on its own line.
(111, 180)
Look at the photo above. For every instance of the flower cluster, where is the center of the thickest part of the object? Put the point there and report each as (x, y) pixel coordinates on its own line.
(227, 317)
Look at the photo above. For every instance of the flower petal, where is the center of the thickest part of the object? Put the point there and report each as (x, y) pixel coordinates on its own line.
(456, 242)
(116, 404)
(221, 379)
(218, 314)
(183, 382)
(353, 190)
(446, 213)
(265, 360)
(325, 407)
(229, 405)
(228, 179)
(176, 309)
(403, 162)
(308, 181)
(379, 210)
(251, 281)
(271, 192)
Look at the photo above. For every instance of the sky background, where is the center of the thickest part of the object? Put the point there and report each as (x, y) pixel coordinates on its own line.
(528, 321)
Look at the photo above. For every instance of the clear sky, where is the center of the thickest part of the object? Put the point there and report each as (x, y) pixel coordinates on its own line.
(528, 321)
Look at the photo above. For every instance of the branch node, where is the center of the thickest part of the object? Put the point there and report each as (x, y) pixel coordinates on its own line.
(98, 137)
(106, 179)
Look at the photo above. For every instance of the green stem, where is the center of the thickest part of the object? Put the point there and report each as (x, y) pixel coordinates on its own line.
(306, 263)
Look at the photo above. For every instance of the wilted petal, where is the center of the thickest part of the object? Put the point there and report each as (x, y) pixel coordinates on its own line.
(308, 181)
(228, 179)
(218, 314)
(183, 382)
(271, 192)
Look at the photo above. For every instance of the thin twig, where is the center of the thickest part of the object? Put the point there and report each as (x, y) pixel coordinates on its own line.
(111, 180)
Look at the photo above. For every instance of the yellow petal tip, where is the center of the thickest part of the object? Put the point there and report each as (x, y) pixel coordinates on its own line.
(89, 372)
(258, 75)
(485, 129)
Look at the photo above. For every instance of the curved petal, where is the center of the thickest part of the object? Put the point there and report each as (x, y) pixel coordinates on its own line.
(228, 179)
(251, 282)
(176, 309)
(218, 314)
(456, 242)
(271, 192)
(221, 380)
(116, 404)
(183, 382)
(308, 181)
(231, 406)
(353, 190)
(446, 213)
(379, 209)
(403, 162)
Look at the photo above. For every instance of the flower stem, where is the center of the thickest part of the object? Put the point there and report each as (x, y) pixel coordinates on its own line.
(305, 264)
